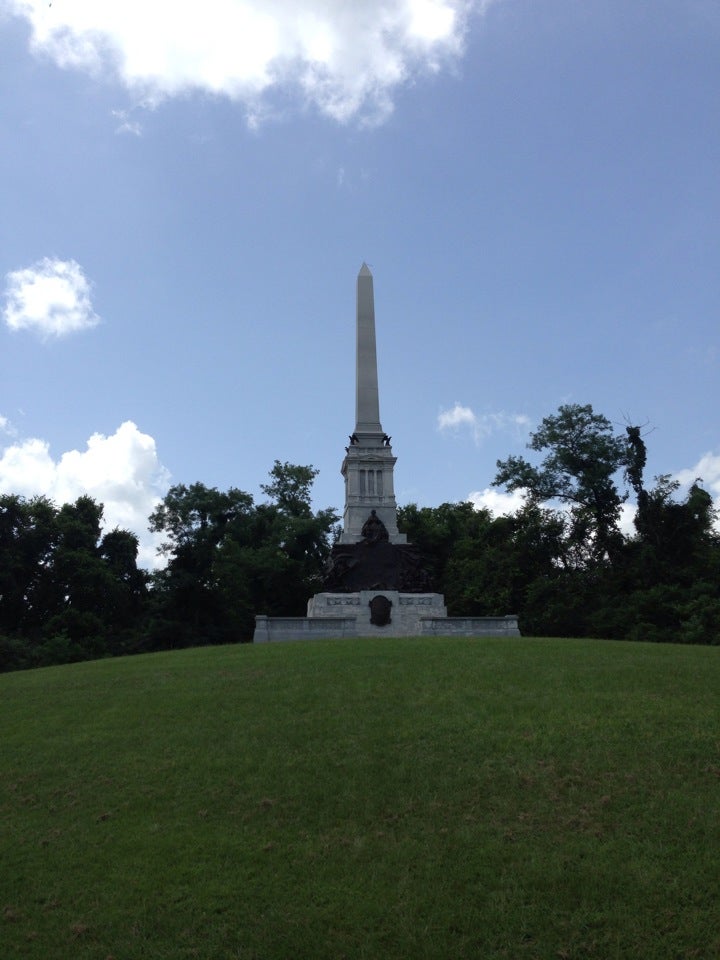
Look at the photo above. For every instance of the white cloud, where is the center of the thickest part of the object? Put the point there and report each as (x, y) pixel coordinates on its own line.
(627, 518)
(707, 473)
(456, 417)
(498, 503)
(346, 57)
(7, 427)
(125, 124)
(121, 471)
(52, 298)
(481, 426)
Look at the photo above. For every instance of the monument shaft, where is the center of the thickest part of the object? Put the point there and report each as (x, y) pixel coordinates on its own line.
(369, 462)
(367, 402)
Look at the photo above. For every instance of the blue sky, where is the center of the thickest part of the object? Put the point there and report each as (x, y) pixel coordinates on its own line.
(187, 194)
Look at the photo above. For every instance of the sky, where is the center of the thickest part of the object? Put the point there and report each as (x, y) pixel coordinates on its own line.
(187, 193)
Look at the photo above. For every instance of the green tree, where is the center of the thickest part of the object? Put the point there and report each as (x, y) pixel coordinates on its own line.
(229, 559)
(561, 562)
(582, 456)
(486, 565)
(79, 577)
(302, 538)
(671, 568)
(491, 571)
(97, 589)
(437, 531)
(186, 604)
(28, 536)
(290, 488)
(127, 585)
(197, 516)
(66, 592)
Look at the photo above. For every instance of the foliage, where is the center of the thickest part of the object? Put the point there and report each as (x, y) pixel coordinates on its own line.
(66, 591)
(185, 604)
(561, 562)
(583, 455)
(229, 559)
(290, 488)
(482, 564)
(437, 531)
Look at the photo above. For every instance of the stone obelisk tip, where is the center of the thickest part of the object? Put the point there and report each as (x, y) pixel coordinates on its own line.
(364, 271)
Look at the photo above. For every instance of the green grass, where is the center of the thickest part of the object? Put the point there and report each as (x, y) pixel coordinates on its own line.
(364, 799)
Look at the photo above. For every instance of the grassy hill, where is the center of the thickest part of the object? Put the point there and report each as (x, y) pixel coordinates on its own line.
(364, 799)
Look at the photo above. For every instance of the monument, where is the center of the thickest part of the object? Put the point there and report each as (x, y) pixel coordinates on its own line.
(377, 583)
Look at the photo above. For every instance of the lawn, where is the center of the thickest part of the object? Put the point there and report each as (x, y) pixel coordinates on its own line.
(514, 798)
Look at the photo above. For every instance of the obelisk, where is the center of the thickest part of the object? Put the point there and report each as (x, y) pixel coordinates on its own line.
(369, 462)
(367, 403)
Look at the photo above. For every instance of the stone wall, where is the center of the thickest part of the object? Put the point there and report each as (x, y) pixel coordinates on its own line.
(337, 615)
(272, 629)
(470, 626)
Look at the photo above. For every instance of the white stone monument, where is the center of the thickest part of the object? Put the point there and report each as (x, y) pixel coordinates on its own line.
(377, 584)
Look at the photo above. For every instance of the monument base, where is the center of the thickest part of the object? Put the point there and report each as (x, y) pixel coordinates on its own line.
(373, 613)
(402, 611)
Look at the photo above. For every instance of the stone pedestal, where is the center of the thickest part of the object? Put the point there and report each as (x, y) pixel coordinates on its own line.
(405, 610)
(335, 616)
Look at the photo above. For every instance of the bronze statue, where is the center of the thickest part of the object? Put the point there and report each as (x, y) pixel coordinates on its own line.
(374, 530)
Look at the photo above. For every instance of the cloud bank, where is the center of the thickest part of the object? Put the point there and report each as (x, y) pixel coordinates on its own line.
(345, 57)
(481, 426)
(51, 298)
(121, 471)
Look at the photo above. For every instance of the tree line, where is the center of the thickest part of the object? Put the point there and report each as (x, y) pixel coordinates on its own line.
(562, 563)
(68, 592)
